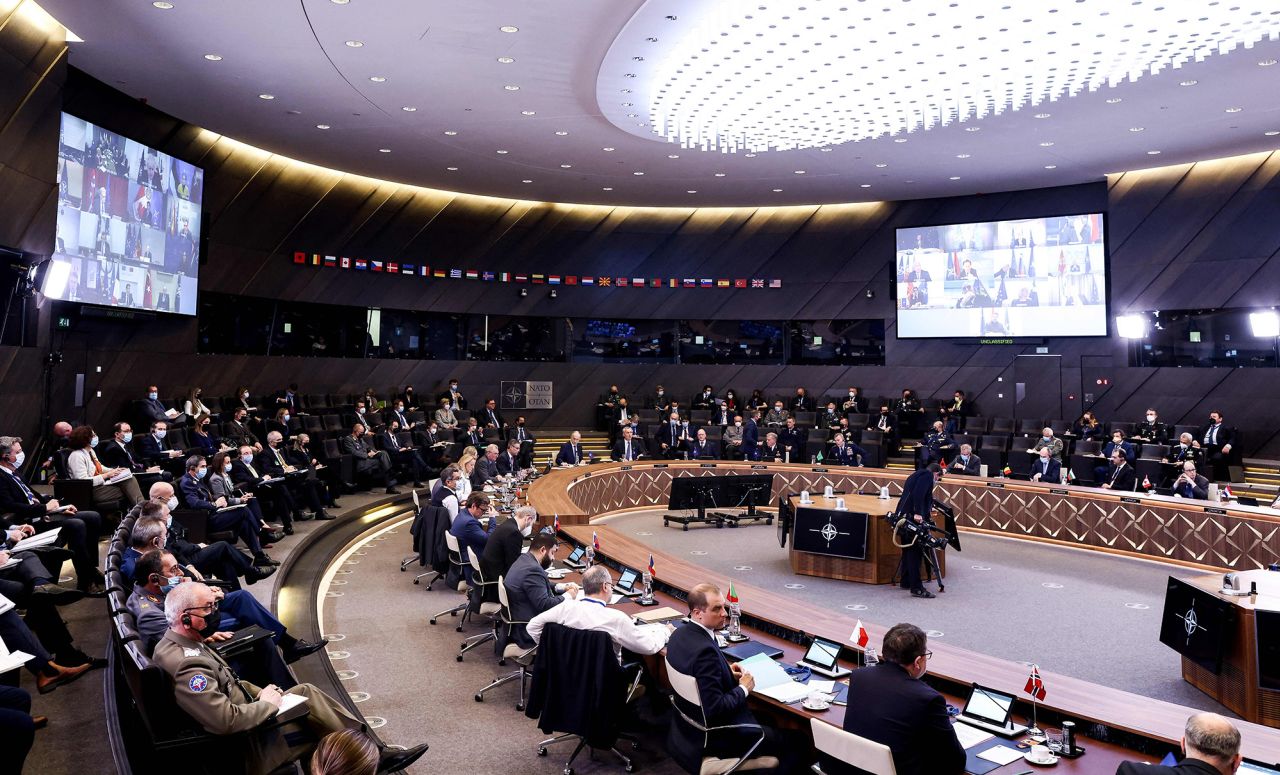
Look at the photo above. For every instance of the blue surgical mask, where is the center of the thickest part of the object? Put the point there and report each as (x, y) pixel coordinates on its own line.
(128, 437)
(161, 433)
(153, 396)
(170, 583)
(93, 442)
(17, 459)
(226, 468)
(285, 418)
(200, 472)
(248, 458)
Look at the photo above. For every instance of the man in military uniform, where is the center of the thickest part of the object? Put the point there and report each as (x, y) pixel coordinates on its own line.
(845, 454)
(1151, 429)
(934, 446)
(209, 691)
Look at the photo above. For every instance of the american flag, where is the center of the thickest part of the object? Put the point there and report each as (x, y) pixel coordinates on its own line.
(775, 283)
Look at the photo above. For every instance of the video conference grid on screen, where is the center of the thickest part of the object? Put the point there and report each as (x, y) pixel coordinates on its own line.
(128, 221)
(1029, 277)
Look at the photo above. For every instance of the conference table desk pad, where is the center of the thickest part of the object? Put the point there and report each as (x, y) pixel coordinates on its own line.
(951, 670)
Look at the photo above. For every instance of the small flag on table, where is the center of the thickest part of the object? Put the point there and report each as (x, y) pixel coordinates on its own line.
(1146, 482)
(555, 523)
(299, 258)
(1035, 687)
(1226, 490)
(1071, 476)
(652, 570)
(860, 635)
(943, 465)
(571, 279)
(595, 540)
(732, 597)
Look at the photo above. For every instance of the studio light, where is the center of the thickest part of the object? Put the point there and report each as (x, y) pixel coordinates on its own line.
(55, 279)
(1265, 324)
(821, 74)
(1131, 326)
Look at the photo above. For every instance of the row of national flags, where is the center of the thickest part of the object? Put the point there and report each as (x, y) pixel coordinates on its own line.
(422, 270)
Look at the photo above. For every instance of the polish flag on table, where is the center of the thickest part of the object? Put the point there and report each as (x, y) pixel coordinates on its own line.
(1035, 687)
(860, 635)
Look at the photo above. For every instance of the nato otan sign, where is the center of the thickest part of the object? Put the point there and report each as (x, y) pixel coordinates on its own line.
(526, 395)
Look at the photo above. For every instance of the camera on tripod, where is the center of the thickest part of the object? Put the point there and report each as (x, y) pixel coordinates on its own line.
(924, 532)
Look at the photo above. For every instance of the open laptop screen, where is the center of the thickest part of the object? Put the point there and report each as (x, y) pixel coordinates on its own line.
(988, 705)
(822, 653)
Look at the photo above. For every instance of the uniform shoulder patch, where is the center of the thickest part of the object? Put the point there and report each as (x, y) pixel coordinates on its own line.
(198, 683)
(191, 652)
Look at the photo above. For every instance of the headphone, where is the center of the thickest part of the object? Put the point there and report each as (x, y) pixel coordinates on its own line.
(186, 620)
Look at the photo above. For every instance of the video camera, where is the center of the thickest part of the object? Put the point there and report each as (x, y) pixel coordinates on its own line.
(908, 529)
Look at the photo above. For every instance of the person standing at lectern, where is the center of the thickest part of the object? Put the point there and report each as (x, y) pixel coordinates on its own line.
(916, 504)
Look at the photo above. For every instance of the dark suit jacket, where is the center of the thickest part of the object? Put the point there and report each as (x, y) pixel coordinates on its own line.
(153, 410)
(1124, 445)
(850, 455)
(500, 552)
(482, 417)
(195, 493)
(917, 494)
(750, 437)
(637, 448)
(1125, 481)
(692, 651)
(530, 593)
(14, 500)
(770, 454)
(471, 537)
(910, 717)
(240, 435)
(1180, 455)
(891, 420)
(514, 432)
(709, 450)
(151, 449)
(972, 468)
(1226, 435)
(801, 404)
(567, 454)
(668, 435)
(111, 453)
(1184, 767)
(1054, 476)
(508, 464)
(485, 470)
(1200, 491)
(357, 448)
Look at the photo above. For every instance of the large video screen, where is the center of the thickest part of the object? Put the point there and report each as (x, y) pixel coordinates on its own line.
(128, 221)
(1033, 277)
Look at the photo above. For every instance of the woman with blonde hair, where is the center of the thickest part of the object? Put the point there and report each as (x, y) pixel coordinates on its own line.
(193, 407)
(345, 752)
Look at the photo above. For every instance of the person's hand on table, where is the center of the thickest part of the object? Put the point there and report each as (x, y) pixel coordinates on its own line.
(218, 637)
(571, 589)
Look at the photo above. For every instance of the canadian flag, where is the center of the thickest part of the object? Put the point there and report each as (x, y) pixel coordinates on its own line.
(1035, 687)
(860, 635)
(943, 465)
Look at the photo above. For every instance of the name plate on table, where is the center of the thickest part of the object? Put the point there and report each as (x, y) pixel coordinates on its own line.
(659, 465)
(819, 470)
(759, 468)
(625, 468)
(829, 532)
(1214, 510)
(1056, 491)
(706, 465)
(997, 485)
(1126, 499)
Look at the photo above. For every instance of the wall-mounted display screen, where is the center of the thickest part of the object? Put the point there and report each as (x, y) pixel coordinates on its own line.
(128, 221)
(1033, 277)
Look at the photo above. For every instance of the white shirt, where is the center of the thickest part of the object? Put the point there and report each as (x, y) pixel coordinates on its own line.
(462, 490)
(591, 614)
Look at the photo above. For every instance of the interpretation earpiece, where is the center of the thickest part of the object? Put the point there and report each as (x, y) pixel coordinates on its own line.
(186, 620)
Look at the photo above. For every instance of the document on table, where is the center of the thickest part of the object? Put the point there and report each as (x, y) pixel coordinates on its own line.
(772, 680)
(39, 539)
(1000, 754)
(289, 707)
(970, 736)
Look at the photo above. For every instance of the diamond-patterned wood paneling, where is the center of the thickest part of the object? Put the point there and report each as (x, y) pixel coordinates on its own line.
(1161, 528)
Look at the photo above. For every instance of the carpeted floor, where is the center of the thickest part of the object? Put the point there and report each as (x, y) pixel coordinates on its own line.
(1081, 613)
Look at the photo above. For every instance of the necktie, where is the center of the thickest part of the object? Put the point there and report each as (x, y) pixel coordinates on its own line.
(574, 450)
(31, 496)
(627, 454)
(884, 423)
(1213, 435)
(279, 457)
(520, 435)
(395, 445)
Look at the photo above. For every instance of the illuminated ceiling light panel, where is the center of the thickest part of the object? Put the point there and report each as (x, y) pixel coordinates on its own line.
(770, 75)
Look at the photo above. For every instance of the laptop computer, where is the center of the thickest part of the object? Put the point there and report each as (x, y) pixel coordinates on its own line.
(574, 560)
(1255, 767)
(990, 710)
(741, 651)
(625, 586)
(821, 658)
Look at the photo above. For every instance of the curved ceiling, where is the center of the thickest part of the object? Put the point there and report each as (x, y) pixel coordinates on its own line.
(924, 98)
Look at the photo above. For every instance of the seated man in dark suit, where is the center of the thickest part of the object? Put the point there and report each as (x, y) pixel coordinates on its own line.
(1217, 439)
(570, 453)
(887, 423)
(469, 531)
(403, 458)
(701, 449)
(490, 417)
(116, 453)
(503, 548)
(793, 439)
(703, 400)
(153, 410)
(238, 521)
(1117, 443)
(529, 591)
(1190, 484)
(672, 437)
(628, 447)
(486, 466)
(368, 461)
(520, 434)
(770, 451)
(844, 453)
(152, 448)
(966, 463)
(722, 688)
(238, 433)
(1120, 476)
(1046, 469)
(910, 716)
(1211, 745)
(513, 461)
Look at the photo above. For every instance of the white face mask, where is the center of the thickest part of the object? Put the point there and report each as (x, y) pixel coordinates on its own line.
(226, 468)
(245, 396)
(527, 530)
(360, 410)
(1151, 418)
(17, 460)
(172, 503)
(128, 437)
(160, 434)
(247, 458)
(737, 425)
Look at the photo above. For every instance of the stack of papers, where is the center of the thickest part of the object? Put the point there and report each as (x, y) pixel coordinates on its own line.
(772, 680)
(37, 540)
(1000, 754)
(970, 736)
(120, 477)
(292, 706)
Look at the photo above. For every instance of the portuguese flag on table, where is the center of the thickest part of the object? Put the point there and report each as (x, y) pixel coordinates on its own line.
(732, 597)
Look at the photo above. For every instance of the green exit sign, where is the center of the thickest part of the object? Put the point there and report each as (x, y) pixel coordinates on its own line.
(64, 322)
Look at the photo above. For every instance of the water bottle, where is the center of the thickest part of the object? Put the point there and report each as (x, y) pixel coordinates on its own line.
(590, 557)
(870, 657)
(647, 580)
(735, 624)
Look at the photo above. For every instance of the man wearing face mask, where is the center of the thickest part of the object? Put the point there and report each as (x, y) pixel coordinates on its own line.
(1151, 429)
(363, 417)
(854, 403)
(157, 573)
(153, 448)
(1047, 439)
(660, 400)
(116, 452)
(209, 691)
(520, 433)
(703, 400)
(154, 528)
(249, 476)
(777, 416)
(83, 463)
(672, 437)
(529, 590)
(369, 462)
(455, 397)
(238, 520)
(732, 439)
(503, 547)
(151, 410)
(239, 434)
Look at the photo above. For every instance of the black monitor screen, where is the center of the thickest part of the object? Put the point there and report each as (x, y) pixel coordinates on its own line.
(1196, 624)
(1267, 629)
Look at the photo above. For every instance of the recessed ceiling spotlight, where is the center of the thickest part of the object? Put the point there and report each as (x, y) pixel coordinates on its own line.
(1188, 82)
(633, 115)
(509, 28)
(528, 113)
(213, 57)
(1137, 128)
(450, 132)
(355, 43)
(962, 155)
(1266, 63)
(266, 96)
(409, 109)
(607, 188)
(865, 185)
(511, 87)
(526, 180)
(825, 150)
(384, 150)
(626, 91)
(1051, 166)
(504, 153)
(777, 191)
(799, 172)
(637, 173)
(1043, 115)
(506, 60)
(452, 169)
(1046, 144)
(163, 6)
(955, 177)
(1114, 100)
(610, 150)
(1153, 153)
(339, 2)
(377, 79)
(637, 59)
(899, 139)
(692, 191)
(1233, 110)
(322, 126)
(673, 156)
(561, 133)
(973, 129)
(719, 174)
(651, 39)
(565, 166)
(750, 155)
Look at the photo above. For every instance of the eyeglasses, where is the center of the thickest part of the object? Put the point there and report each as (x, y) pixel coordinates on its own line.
(927, 655)
(203, 611)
